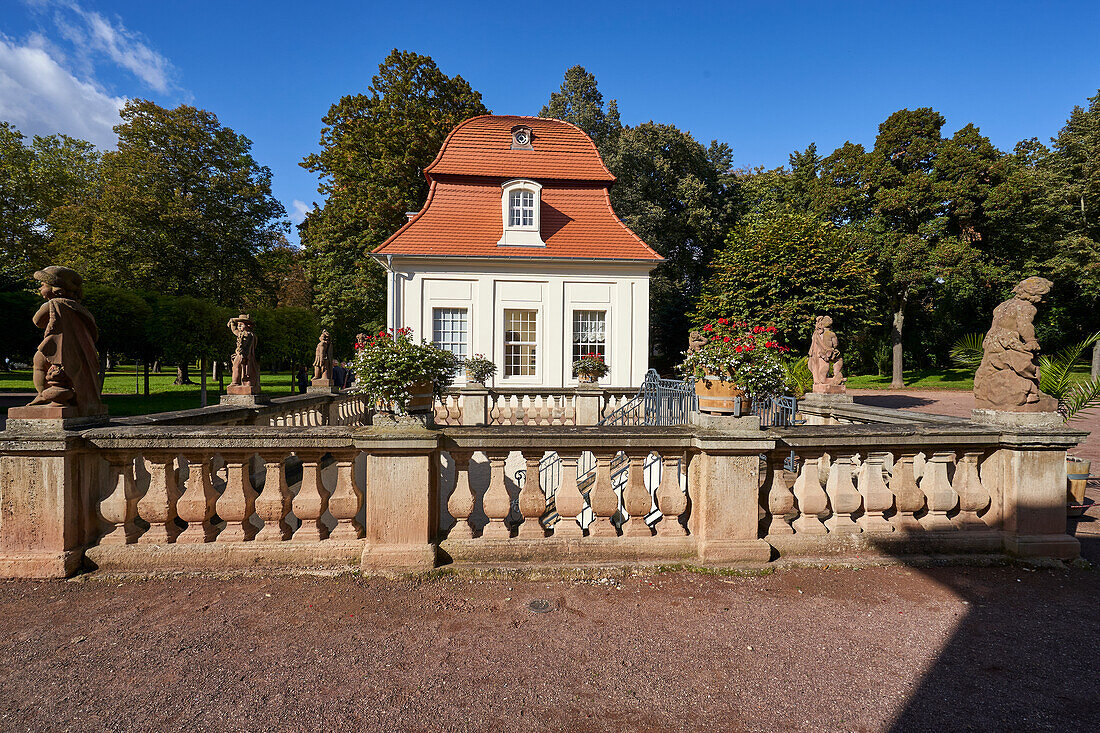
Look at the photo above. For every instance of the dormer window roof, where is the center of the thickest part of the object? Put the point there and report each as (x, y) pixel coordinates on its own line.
(520, 204)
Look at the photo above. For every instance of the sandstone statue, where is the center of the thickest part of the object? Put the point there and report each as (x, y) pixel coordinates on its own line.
(823, 354)
(696, 341)
(66, 365)
(322, 361)
(245, 377)
(360, 341)
(1008, 377)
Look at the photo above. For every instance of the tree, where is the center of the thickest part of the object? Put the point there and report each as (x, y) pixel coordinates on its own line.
(121, 318)
(580, 102)
(35, 180)
(183, 328)
(374, 148)
(785, 268)
(21, 336)
(675, 195)
(184, 208)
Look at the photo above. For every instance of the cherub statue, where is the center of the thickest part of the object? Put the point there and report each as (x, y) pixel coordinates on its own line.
(1008, 377)
(823, 354)
(66, 365)
(696, 341)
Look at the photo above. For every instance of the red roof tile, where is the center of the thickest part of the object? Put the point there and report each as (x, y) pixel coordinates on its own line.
(481, 146)
(462, 216)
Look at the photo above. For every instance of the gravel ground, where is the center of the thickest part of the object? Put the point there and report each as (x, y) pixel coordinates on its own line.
(879, 648)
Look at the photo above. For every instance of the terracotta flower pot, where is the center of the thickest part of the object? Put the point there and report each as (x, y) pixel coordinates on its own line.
(718, 396)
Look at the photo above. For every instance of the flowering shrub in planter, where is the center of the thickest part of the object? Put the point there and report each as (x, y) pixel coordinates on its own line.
(590, 367)
(387, 366)
(748, 356)
(478, 368)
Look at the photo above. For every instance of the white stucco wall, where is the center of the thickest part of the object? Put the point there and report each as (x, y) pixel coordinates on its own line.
(555, 289)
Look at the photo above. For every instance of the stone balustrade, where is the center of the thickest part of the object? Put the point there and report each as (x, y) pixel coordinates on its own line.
(552, 407)
(133, 497)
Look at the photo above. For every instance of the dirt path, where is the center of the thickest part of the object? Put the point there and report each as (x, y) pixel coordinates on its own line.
(802, 649)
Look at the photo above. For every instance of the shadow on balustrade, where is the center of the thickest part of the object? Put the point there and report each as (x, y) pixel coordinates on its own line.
(892, 401)
(1023, 655)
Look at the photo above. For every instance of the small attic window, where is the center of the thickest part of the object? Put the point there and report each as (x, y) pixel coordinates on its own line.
(521, 138)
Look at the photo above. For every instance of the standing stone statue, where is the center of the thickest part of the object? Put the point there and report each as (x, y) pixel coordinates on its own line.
(823, 353)
(696, 341)
(1008, 378)
(322, 362)
(245, 378)
(66, 365)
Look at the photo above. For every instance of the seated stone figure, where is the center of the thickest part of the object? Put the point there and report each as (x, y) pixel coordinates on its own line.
(823, 354)
(66, 365)
(1008, 377)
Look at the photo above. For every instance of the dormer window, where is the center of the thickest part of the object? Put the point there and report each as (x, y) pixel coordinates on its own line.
(519, 203)
(521, 138)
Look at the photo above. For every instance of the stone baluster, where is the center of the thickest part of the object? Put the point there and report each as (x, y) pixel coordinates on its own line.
(636, 498)
(496, 502)
(938, 492)
(780, 498)
(119, 508)
(312, 500)
(569, 416)
(556, 410)
(532, 501)
(908, 498)
(843, 496)
(568, 500)
(877, 498)
(602, 497)
(973, 495)
(494, 409)
(346, 499)
(196, 505)
(273, 503)
(671, 499)
(237, 503)
(460, 505)
(158, 506)
(811, 497)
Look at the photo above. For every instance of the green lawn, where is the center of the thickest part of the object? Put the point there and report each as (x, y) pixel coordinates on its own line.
(961, 379)
(163, 396)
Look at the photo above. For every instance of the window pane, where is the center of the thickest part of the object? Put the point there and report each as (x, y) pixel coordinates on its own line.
(449, 330)
(589, 333)
(520, 336)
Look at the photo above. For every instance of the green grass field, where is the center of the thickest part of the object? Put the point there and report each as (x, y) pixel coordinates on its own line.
(118, 389)
(961, 379)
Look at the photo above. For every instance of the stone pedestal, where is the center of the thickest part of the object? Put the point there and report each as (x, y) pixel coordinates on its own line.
(475, 404)
(322, 386)
(588, 401)
(243, 389)
(726, 498)
(1006, 419)
(829, 389)
(52, 419)
(245, 399)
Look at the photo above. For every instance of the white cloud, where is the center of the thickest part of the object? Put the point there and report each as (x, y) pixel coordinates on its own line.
(40, 97)
(93, 33)
(301, 208)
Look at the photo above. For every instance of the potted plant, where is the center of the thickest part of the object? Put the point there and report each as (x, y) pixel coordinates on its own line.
(478, 369)
(401, 374)
(730, 359)
(590, 368)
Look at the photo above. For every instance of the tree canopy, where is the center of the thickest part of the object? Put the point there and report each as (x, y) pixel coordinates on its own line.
(373, 151)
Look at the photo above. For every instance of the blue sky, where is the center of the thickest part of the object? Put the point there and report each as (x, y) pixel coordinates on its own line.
(765, 77)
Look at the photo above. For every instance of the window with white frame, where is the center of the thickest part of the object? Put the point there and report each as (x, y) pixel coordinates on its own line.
(449, 331)
(520, 202)
(589, 333)
(521, 208)
(520, 337)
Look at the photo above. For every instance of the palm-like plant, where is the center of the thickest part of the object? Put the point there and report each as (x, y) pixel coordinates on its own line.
(967, 351)
(1055, 378)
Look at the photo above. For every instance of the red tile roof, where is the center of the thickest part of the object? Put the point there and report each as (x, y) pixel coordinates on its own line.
(481, 146)
(462, 216)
